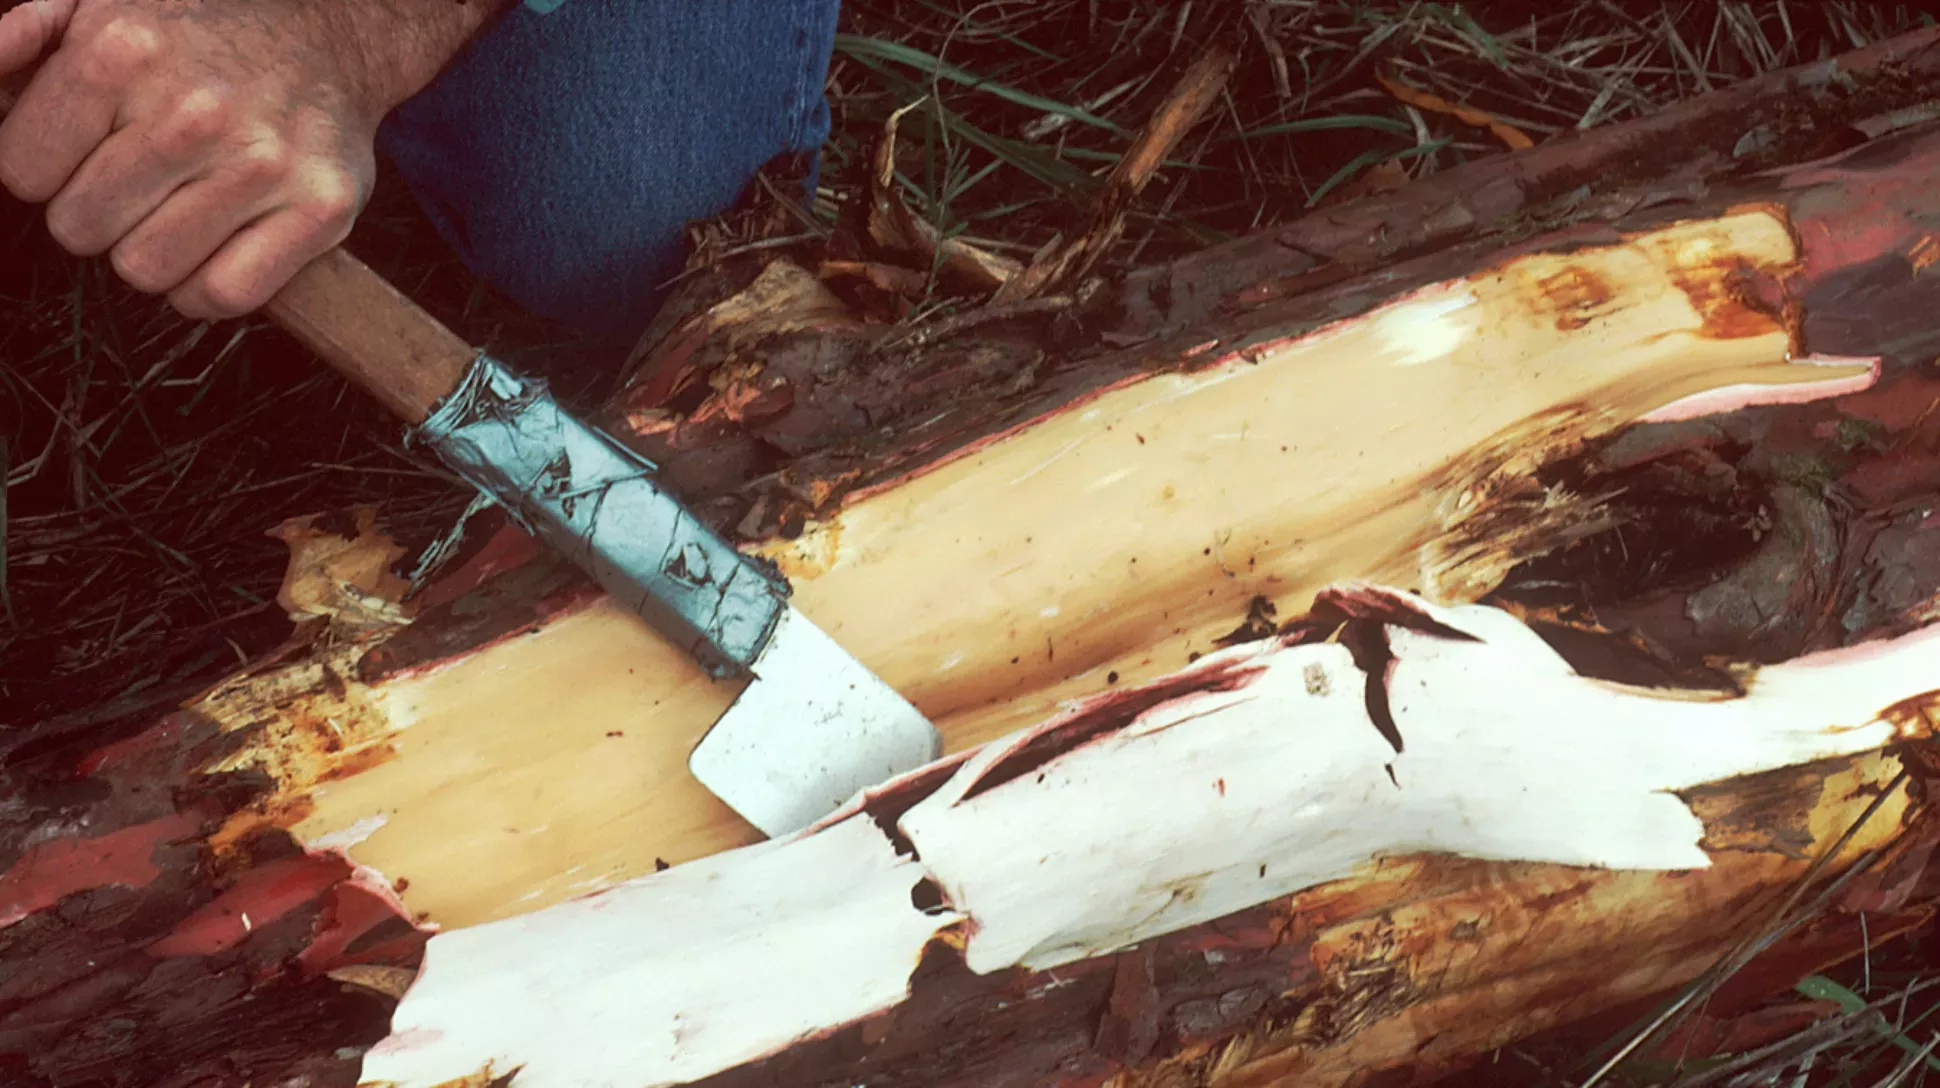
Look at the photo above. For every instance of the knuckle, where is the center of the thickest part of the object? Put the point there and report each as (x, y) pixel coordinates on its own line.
(198, 120)
(121, 49)
(332, 200)
(266, 159)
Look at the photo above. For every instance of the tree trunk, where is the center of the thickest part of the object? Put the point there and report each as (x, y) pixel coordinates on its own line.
(1469, 612)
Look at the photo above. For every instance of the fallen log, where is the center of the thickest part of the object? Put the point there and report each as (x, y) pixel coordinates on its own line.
(1228, 482)
(1669, 465)
(1140, 825)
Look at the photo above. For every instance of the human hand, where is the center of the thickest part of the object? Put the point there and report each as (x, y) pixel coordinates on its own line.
(211, 148)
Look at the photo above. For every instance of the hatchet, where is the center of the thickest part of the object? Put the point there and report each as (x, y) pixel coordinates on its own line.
(811, 727)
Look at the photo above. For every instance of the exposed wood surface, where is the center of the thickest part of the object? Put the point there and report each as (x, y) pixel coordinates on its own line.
(144, 847)
(1106, 542)
(1376, 728)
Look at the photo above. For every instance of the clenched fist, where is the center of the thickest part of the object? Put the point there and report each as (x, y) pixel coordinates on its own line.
(211, 148)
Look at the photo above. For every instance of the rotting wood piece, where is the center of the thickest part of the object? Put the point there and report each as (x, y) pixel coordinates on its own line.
(1855, 291)
(1671, 157)
(902, 632)
(134, 952)
(1367, 1050)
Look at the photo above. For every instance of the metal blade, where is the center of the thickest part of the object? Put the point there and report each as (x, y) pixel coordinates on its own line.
(811, 730)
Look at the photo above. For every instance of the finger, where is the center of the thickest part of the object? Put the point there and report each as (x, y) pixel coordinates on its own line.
(30, 30)
(70, 106)
(191, 224)
(254, 265)
(129, 176)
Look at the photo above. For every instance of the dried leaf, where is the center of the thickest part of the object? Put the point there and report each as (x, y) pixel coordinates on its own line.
(1386, 176)
(1510, 135)
(894, 227)
(887, 277)
(347, 579)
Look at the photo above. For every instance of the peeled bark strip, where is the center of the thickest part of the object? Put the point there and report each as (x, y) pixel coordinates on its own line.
(1117, 509)
(1265, 770)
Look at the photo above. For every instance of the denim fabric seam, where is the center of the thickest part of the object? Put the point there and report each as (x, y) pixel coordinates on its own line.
(804, 63)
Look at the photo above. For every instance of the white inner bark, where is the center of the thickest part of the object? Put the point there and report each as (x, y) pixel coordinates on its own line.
(661, 979)
(1205, 804)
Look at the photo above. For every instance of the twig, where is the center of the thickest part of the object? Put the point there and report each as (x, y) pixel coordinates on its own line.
(1188, 101)
(945, 327)
(1782, 923)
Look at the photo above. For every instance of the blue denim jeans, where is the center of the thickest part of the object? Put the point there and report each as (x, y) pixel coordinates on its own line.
(563, 154)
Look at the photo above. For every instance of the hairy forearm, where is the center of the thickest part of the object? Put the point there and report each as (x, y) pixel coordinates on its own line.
(402, 45)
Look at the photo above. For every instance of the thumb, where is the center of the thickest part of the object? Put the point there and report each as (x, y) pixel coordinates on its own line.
(30, 29)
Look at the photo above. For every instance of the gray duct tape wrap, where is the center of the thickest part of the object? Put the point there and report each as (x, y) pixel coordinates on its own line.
(596, 502)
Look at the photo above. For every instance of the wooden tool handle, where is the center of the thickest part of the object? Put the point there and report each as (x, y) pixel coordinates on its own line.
(367, 330)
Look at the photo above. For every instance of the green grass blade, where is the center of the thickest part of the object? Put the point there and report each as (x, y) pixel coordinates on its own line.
(1323, 124)
(1045, 168)
(1369, 158)
(1821, 988)
(1005, 211)
(1463, 23)
(851, 45)
(963, 184)
(1032, 161)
